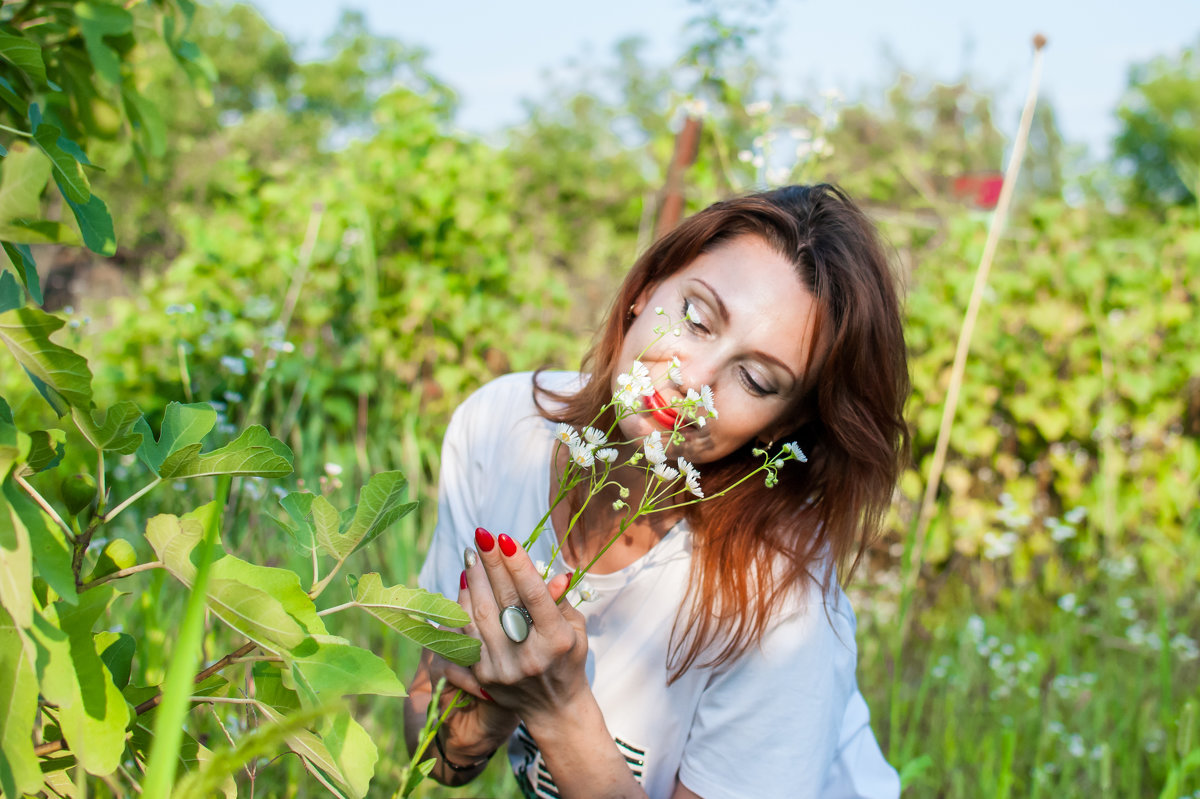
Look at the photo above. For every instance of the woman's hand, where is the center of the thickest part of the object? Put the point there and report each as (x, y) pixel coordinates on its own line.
(541, 677)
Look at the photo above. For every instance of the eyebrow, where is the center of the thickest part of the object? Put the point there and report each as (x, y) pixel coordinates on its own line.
(723, 312)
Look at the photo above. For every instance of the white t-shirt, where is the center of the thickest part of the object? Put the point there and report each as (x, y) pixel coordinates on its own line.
(784, 719)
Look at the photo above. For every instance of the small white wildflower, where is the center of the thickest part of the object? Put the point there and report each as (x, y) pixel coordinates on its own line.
(581, 455)
(675, 371)
(692, 314)
(794, 449)
(759, 108)
(594, 437)
(1075, 515)
(665, 472)
(235, 365)
(333, 469)
(656, 453)
(566, 434)
(606, 455)
(691, 477)
(1067, 602)
(658, 309)
(707, 398)
(636, 381)
(745, 156)
(586, 592)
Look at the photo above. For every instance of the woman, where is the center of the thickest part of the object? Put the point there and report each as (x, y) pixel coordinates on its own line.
(716, 657)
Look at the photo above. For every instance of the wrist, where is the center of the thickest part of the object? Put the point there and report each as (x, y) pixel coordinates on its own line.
(579, 716)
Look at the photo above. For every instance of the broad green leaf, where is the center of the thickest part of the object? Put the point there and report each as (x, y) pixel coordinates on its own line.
(95, 224)
(98, 20)
(298, 505)
(14, 445)
(413, 777)
(67, 171)
(145, 117)
(326, 525)
(92, 713)
(354, 750)
(26, 172)
(16, 563)
(116, 650)
(11, 295)
(22, 53)
(455, 647)
(22, 260)
(111, 431)
(9, 95)
(379, 505)
(370, 593)
(46, 448)
(19, 769)
(310, 748)
(62, 376)
(269, 687)
(254, 453)
(332, 666)
(182, 426)
(265, 604)
(51, 552)
(264, 741)
(38, 231)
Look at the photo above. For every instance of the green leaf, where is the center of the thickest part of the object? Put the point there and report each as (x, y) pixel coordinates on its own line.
(116, 650)
(298, 505)
(145, 117)
(19, 769)
(9, 95)
(26, 172)
(262, 742)
(182, 426)
(62, 376)
(370, 593)
(46, 448)
(22, 53)
(38, 231)
(67, 171)
(310, 748)
(269, 687)
(376, 600)
(254, 453)
(378, 507)
(111, 431)
(330, 666)
(22, 261)
(98, 20)
(14, 445)
(51, 553)
(16, 563)
(95, 224)
(92, 713)
(354, 751)
(11, 295)
(413, 778)
(267, 605)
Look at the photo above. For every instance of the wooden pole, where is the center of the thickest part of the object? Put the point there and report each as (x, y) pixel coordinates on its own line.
(687, 145)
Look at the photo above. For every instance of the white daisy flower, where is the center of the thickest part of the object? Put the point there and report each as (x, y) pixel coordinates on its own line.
(586, 592)
(566, 434)
(665, 472)
(637, 380)
(656, 452)
(606, 455)
(594, 437)
(675, 371)
(707, 399)
(692, 315)
(581, 455)
(691, 476)
(794, 449)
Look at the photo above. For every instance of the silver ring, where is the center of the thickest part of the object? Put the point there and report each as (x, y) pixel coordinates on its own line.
(515, 621)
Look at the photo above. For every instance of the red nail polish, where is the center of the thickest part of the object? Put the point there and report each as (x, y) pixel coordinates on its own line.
(486, 695)
(484, 540)
(462, 580)
(507, 546)
(570, 577)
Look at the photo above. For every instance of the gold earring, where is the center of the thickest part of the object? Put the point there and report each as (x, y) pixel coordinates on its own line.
(630, 314)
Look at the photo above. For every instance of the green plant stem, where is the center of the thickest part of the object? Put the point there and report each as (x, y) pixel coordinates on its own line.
(336, 608)
(101, 486)
(324, 583)
(168, 727)
(16, 132)
(44, 505)
(117, 575)
(109, 516)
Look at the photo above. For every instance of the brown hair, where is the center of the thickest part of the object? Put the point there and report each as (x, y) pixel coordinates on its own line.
(754, 545)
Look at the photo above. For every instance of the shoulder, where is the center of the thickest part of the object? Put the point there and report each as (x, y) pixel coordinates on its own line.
(514, 392)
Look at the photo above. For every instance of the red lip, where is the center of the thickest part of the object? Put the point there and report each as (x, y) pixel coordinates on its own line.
(662, 414)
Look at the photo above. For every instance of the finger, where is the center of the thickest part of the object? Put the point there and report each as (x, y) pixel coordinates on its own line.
(463, 679)
(484, 610)
(491, 557)
(530, 588)
(558, 585)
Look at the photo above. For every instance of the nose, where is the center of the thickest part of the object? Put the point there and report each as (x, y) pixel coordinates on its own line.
(698, 367)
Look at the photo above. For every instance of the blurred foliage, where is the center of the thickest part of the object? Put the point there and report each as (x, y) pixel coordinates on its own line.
(318, 249)
(1158, 145)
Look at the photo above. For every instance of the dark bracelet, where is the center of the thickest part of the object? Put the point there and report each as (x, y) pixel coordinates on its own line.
(437, 741)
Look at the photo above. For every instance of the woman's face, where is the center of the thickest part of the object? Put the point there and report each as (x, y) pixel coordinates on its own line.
(750, 345)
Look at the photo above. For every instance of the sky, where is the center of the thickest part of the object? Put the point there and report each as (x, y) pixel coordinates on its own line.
(496, 53)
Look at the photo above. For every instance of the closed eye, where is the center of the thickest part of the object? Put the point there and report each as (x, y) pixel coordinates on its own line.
(690, 317)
